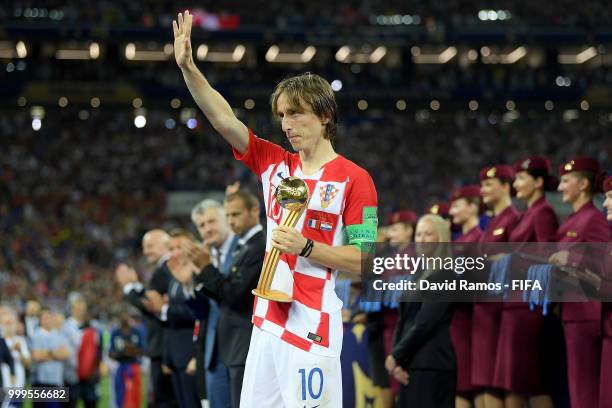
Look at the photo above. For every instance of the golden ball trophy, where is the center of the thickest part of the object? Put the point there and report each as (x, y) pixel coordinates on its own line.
(292, 195)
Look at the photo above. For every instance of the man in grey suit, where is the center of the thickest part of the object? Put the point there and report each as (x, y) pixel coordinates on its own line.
(209, 218)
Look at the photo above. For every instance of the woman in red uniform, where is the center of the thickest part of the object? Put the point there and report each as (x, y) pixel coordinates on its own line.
(517, 368)
(580, 179)
(464, 210)
(495, 188)
(605, 381)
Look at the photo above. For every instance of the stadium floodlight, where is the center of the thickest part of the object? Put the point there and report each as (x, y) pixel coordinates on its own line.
(21, 49)
(495, 55)
(94, 50)
(37, 112)
(10, 49)
(233, 54)
(363, 55)
(150, 52)
(514, 56)
(429, 56)
(290, 56)
(140, 121)
(579, 57)
(378, 54)
(343, 53)
(75, 51)
(36, 124)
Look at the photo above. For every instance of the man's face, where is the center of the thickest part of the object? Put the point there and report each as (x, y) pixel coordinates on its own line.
(303, 128)
(32, 308)
(239, 219)
(461, 210)
(46, 320)
(154, 247)
(212, 227)
(9, 324)
(176, 244)
(57, 321)
(79, 309)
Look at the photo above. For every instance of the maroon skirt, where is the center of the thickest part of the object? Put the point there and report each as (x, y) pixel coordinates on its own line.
(605, 380)
(486, 320)
(583, 346)
(517, 366)
(461, 335)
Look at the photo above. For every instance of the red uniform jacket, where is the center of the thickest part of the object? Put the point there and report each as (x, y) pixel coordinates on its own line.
(587, 224)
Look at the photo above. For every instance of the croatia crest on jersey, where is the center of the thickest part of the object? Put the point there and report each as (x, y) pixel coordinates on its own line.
(327, 193)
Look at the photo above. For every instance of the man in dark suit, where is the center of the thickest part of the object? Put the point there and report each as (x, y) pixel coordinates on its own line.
(178, 347)
(155, 249)
(233, 292)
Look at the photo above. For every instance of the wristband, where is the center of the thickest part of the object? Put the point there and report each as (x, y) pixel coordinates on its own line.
(307, 248)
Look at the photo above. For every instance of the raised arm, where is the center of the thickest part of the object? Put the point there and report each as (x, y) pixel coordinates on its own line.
(216, 109)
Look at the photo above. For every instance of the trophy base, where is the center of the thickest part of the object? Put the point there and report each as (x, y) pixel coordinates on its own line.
(274, 295)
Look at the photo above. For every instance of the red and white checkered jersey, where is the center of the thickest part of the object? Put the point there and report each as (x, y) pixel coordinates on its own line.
(339, 191)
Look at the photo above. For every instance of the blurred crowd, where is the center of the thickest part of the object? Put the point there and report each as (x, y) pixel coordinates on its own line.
(76, 199)
(308, 14)
(42, 345)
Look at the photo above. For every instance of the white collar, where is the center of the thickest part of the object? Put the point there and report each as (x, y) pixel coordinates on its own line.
(224, 248)
(243, 239)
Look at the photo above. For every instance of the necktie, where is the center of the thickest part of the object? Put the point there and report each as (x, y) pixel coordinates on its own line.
(229, 256)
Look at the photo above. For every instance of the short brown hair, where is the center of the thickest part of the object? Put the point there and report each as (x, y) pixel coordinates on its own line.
(180, 232)
(249, 199)
(314, 91)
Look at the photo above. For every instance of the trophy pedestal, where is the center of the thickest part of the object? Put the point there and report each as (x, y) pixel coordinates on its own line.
(274, 295)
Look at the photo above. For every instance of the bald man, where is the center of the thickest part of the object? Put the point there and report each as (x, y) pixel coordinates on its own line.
(155, 249)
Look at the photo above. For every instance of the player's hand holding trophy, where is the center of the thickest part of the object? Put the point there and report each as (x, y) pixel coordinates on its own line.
(292, 195)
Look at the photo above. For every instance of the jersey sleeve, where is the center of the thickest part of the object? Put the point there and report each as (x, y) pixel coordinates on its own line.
(261, 154)
(361, 201)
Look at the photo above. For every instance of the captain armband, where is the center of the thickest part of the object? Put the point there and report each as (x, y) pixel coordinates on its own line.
(363, 235)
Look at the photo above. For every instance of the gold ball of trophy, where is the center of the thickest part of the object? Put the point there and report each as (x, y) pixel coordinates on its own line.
(292, 195)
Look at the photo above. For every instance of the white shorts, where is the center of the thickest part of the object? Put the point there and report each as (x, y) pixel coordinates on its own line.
(279, 375)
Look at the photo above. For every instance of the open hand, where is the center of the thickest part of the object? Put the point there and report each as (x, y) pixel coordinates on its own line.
(182, 39)
(154, 301)
(198, 254)
(125, 274)
(182, 269)
(232, 188)
(560, 258)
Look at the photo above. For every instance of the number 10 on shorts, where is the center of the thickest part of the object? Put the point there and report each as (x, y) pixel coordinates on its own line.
(312, 383)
